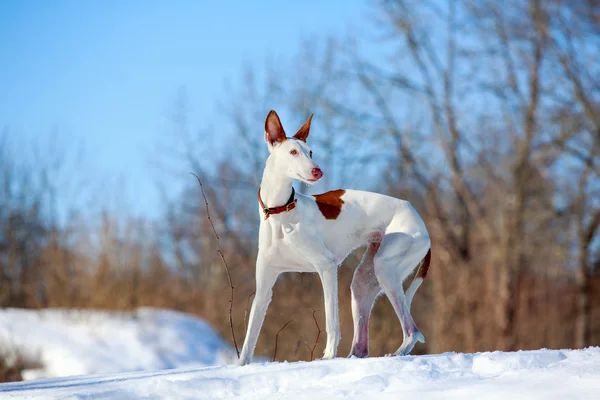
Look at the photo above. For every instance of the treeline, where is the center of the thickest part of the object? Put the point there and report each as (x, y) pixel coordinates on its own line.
(485, 115)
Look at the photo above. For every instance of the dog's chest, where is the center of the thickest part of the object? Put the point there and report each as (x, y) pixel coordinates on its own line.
(277, 244)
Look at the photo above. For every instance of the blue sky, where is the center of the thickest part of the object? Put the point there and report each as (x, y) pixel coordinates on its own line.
(104, 74)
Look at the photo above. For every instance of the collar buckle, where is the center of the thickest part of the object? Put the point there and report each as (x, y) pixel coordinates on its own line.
(290, 206)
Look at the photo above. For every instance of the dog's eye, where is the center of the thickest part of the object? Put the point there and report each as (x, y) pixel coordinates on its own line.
(310, 154)
(293, 152)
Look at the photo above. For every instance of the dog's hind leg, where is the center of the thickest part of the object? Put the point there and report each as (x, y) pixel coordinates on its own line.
(398, 257)
(365, 289)
(411, 333)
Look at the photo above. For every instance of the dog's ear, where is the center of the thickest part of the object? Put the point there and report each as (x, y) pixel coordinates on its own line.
(274, 132)
(302, 133)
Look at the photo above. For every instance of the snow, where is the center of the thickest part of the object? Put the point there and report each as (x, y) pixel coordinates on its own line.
(540, 374)
(77, 342)
(150, 341)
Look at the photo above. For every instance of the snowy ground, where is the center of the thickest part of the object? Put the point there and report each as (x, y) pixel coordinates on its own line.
(542, 374)
(151, 341)
(71, 342)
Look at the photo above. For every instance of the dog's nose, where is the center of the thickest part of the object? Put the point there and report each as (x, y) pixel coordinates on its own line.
(317, 173)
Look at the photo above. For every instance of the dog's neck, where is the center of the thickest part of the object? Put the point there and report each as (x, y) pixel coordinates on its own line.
(275, 187)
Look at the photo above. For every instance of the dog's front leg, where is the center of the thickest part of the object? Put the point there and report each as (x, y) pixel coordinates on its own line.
(326, 265)
(265, 279)
(332, 320)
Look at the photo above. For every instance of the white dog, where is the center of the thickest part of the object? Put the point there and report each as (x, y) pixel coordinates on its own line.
(316, 233)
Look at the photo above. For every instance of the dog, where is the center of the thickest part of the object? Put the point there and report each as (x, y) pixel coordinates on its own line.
(316, 233)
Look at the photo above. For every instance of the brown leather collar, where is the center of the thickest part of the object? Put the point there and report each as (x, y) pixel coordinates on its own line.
(290, 205)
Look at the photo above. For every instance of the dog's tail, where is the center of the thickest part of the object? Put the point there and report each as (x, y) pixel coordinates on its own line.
(418, 279)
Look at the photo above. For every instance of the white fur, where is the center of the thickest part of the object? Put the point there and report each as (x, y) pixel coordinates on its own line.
(302, 240)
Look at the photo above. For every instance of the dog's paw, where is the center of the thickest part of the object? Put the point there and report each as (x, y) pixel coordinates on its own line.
(358, 352)
(328, 355)
(244, 361)
(409, 343)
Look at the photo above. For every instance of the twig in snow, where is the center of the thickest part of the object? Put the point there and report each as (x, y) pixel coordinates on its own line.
(319, 331)
(277, 338)
(224, 263)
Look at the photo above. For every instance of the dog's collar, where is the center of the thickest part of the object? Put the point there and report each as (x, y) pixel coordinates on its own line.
(290, 205)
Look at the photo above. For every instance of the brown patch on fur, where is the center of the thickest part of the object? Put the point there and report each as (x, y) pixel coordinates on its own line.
(425, 266)
(330, 203)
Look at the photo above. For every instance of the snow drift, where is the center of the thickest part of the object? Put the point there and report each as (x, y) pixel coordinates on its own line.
(77, 342)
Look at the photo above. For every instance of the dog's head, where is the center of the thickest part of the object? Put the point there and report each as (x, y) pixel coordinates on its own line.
(292, 155)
